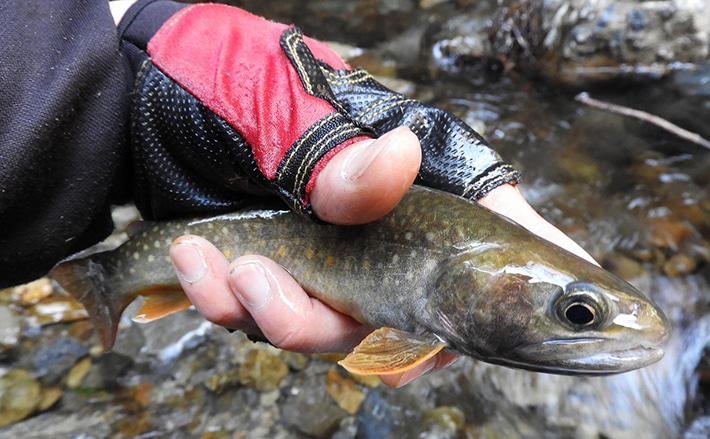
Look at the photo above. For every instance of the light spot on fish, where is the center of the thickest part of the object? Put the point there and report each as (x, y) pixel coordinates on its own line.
(281, 252)
(395, 258)
(151, 258)
(430, 236)
(227, 254)
(309, 253)
(408, 236)
(145, 247)
(136, 256)
(224, 231)
(366, 264)
(156, 244)
(132, 271)
(329, 261)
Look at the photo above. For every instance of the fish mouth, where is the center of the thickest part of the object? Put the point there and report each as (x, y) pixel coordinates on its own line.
(583, 357)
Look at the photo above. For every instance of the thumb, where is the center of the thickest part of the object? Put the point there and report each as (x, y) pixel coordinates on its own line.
(367, 179)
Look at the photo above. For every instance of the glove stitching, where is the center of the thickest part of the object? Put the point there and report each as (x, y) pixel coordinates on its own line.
(315, 143)
(296, 50)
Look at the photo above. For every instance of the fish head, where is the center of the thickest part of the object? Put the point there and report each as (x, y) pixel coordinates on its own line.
(566, 317)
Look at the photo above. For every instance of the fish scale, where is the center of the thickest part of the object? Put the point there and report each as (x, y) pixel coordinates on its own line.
(438, 272)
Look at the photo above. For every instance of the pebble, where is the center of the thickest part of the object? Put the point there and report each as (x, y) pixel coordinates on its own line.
(55, 310)
(679, 265)
(52, 363)
(10, 328)
(344, 391)
(20, 396)
(262, 370)
(445, 421)
(324, 415)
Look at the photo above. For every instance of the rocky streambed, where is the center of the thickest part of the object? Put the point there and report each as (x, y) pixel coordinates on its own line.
(637, 197)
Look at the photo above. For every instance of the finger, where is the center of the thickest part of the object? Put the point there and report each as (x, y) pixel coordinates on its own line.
(288, 317)
(202, 271)
(508, 201)
(439, 361)
(367, 179)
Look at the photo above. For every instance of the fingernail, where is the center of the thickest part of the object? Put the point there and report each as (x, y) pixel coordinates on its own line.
(357, 162)
(254, 289)
(188, 260)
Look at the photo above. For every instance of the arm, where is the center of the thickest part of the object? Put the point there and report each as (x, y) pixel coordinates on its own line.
(63, 147)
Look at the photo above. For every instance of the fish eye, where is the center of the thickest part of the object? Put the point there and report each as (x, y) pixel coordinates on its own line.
(581, 307)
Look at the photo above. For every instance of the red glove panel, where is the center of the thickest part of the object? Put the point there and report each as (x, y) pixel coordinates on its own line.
(230, 61)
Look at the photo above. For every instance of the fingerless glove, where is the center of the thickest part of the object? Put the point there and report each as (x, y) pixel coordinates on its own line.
(228, 106)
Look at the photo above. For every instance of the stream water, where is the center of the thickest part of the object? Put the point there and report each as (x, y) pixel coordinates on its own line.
(635, 196)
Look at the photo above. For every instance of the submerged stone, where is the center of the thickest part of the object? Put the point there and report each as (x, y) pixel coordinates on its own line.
(308, 409)
(10, 328)
(344, 391)
(20, 395)
(262, 370)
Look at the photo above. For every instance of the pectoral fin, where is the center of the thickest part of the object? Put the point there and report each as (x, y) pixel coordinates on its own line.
(388, 351)
(161, 302)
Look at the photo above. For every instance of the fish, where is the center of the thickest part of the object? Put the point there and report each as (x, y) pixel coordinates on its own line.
(439, 272)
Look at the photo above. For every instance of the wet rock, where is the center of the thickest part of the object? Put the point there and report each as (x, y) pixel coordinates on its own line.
(295, 360)
(262, 370)
(52, 363)
(29, 293)
(388, 413)
(308, 409)
(10, 328)
(344, 391)
(77, 373)
(624, 267)
(62, 425)
(679, 265)
(20, 394)
(219, 383)
(667, 232)
(361, 22)
(367, 380)
(599, 40)
(168, 338)
(106, 371)
(55, 310)
(442, 422)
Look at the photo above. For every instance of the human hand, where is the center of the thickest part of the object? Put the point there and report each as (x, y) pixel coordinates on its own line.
(360, 184)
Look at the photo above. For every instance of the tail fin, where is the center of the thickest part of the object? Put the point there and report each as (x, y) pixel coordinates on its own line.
(86, 281)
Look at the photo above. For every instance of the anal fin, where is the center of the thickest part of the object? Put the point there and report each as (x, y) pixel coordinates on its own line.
(388, 351)
(160, 302)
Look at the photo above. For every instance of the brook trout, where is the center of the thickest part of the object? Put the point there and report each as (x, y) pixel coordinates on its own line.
(438, 272)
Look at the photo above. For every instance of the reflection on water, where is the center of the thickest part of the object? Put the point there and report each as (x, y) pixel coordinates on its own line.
(634, 196)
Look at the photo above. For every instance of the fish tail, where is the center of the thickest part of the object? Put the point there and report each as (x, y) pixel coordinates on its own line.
(86, 281)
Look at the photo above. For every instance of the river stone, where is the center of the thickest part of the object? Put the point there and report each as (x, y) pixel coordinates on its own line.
(442, 422)
(20, 394)
(10, 328)
(308, 409)
(389, 413)
(53, 362)
(344, 391)
(262, 370)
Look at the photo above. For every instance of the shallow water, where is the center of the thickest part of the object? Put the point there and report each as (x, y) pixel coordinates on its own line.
(635, 196)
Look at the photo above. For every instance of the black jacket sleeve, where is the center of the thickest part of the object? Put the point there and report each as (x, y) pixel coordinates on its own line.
(63, 124)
